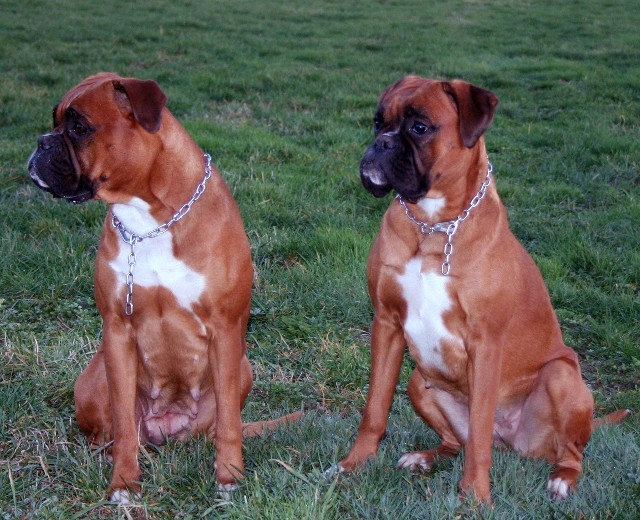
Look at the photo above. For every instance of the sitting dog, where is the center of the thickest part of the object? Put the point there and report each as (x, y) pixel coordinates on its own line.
(448, 278)
(173, 277)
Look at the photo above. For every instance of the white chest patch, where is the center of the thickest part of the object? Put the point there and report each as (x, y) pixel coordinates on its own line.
(432, 206)
(427, 300)
(156, 264)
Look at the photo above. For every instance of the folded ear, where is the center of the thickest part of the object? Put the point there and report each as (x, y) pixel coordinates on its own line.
(53, 114)
(145, 99)
(476, 107)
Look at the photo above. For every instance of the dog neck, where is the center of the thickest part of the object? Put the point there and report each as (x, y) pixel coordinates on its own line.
(449, 227)
(139, 206)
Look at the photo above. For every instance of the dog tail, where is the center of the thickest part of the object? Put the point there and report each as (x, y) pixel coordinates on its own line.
(255, 429)
(613, 418)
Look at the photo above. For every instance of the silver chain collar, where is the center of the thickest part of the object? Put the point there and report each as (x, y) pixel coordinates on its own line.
(451, 226)
(132, 239)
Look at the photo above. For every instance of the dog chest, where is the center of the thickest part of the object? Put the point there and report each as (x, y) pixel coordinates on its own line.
(430, 341)
(155, 262)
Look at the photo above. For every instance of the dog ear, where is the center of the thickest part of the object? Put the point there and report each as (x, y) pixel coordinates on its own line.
(53, 115)
(476, 107)
(146, 100)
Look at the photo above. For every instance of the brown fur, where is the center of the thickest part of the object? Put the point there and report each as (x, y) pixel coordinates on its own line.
(188, 365)
(513, 380)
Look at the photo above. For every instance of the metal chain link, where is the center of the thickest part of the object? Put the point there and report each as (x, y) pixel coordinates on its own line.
(132, 239)
(128, 307)
(451, 226)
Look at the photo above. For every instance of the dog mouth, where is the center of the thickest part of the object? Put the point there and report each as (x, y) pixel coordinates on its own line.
(412, 197)
(84, 191)
(377, 190)
(373, 179)
(53, 173)
(375, 182)
(380, 190)
(38, 181)
(392, 167)
(79, 198)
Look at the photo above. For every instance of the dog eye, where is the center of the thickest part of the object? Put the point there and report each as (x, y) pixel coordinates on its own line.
(79, 129)
(419, 128)
(377, 123)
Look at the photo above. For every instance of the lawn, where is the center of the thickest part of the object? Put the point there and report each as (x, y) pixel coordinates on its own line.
(282, 95)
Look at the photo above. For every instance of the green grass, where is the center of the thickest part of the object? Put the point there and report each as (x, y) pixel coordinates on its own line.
(282, 95)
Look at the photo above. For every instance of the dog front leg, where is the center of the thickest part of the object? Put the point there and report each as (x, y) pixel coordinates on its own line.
(387, 348)
(225, 358)
(483, 372)
(121, 368)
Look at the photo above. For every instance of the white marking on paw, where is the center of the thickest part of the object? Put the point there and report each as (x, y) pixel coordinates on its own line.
(332, 471)
(558, 488)
(225, 490)
(414, 461)
(123, 497)
(155, 261)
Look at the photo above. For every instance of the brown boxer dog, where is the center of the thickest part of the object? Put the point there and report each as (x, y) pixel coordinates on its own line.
(491, 365)
(173, 277)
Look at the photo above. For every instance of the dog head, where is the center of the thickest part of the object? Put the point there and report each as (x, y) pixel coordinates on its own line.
(103, 130)
(423, 129)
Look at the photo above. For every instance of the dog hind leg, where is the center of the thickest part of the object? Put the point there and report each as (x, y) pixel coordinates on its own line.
(91, 396)
(556, 423)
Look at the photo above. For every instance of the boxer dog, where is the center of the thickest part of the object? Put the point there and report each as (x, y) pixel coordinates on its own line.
(173, 277)
(491, 365)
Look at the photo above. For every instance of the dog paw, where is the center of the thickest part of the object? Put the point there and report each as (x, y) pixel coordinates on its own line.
(415, 461)
(225, 491)
(123, 497)
(332, 471)
(558, 489)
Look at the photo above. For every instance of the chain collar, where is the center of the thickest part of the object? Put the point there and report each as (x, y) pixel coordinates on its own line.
(132, 239)
(451, 226)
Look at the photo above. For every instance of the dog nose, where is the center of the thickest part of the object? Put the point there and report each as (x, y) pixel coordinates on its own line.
(44, 142)
(386, 141)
